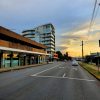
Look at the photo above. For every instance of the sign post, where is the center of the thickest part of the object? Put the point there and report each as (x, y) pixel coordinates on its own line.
(98, 61)
(99, 43)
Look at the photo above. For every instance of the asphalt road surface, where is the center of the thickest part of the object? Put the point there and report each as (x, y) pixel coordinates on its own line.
(56, 81)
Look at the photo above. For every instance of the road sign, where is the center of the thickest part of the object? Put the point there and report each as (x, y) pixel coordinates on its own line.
(99, 43)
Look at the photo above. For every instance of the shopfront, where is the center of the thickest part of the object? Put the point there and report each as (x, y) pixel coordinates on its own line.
(16, 50)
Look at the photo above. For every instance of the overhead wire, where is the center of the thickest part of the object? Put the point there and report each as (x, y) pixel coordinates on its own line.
(93, 14)
(97, 10)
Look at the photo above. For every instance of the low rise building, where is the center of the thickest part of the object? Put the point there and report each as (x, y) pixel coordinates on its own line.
(16, 50)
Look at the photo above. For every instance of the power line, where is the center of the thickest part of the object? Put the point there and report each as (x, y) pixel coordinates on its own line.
(93, 14)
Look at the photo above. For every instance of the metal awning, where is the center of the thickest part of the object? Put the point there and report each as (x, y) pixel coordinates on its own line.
(23, 51)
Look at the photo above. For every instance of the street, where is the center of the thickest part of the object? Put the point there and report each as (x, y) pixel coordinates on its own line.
(54, 81)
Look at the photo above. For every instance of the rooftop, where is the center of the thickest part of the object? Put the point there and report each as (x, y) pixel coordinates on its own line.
(9, 33)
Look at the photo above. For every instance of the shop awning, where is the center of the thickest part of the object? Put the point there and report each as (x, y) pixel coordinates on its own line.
(23, 51)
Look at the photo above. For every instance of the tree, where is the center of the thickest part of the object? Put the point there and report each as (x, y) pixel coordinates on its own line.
(60, 55)
(87, 59)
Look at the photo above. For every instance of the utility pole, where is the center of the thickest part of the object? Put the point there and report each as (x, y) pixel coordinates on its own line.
(82, 51)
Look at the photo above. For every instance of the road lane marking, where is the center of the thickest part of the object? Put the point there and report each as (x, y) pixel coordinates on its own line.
(78, 79)
(64, 75)
(45, 70)
(74, 69)
(61, 67)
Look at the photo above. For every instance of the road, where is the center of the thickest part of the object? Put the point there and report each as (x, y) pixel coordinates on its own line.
(56, 81)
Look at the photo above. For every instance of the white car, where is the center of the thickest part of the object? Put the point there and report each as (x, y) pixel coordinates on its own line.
(74, 63)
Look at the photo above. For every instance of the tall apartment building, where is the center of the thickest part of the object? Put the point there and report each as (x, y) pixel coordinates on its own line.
(44, 34)
(31, 34)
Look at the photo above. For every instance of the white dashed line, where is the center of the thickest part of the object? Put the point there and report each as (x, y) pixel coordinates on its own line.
(45, 70)
(74, 69)
(61, 67)
(64, 75)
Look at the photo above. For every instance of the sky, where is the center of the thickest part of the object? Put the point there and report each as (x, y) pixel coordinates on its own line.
(71, 19)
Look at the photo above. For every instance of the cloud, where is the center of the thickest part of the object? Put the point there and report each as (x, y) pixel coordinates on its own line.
(73, 39)
(94, 37)
(64, 14)
(61, 47)
(71, 19)
(81, 33)
(74, 36)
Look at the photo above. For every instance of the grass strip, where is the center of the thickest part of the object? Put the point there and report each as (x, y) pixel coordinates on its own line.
(90, 69)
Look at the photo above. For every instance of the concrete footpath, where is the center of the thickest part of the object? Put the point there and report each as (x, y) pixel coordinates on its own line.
(19, 67)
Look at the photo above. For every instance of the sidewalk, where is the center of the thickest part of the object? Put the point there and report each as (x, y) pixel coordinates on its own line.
(91, 68)
(19, 67)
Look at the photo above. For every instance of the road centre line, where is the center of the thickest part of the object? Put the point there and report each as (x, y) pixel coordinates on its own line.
(78, 79)
(45, 70)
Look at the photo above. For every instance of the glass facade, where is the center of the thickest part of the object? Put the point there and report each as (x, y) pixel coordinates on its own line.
(11, 59)
(44, 34)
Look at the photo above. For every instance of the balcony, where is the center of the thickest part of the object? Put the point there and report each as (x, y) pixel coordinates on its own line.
(48, 30)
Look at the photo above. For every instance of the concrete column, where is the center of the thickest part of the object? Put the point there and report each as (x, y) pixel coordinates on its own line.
(34, 59)
(30, 60)
(45, 59)
(11, 59)
(18, 59)
(42, 59)
(1, 59)
(25, 60)
(38, 59)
